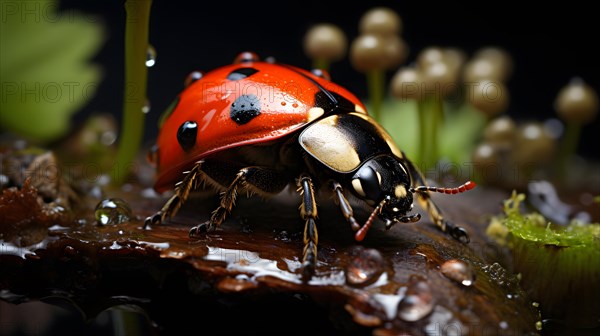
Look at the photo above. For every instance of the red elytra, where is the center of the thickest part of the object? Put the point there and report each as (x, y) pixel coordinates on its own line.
(285, 94)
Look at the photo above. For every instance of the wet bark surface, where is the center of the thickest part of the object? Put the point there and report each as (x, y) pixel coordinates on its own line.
(246, 277)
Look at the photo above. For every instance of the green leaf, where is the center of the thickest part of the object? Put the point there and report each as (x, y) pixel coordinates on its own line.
(45, 73)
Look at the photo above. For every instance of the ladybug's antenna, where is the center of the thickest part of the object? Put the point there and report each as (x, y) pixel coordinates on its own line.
(462, 188)
(362, 232)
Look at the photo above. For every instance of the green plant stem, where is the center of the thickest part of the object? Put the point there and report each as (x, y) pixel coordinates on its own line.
(431, 116)
(321, 63)
(422, 151)
(376, 88)
(568, 148)
(136, 47)
(436, 105)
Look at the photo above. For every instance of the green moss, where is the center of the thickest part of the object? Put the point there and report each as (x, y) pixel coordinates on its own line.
(534, 227)
(559, 265)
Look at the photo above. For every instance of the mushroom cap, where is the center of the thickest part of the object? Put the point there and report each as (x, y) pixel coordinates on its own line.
(380, 20)
(367, 52)
(325, 41)
(430, 55)
(489, 97)
(499, 56)
(500, 131)
(407, 84)
(534, 144)
(478, 69)
(396, 51)
(577, 102)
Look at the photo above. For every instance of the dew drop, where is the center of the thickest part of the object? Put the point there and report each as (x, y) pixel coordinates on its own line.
(146, 107)
(538, 325)
(246, 57)
(150, 56)
(192, 77)
(418, 301)
(458, 271)
(500, 276)
(283, 236)
(364, 268)
(112, 211)
(322, 73)
(4, 180)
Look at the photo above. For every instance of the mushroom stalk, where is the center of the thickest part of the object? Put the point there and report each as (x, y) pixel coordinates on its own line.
(568, 148)
(376, 86)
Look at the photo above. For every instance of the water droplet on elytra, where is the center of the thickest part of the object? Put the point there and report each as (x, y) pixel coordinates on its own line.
(192, 77)
(112, 211)
(364, 268)
(418, 301)
(150, 56)
(458, 271)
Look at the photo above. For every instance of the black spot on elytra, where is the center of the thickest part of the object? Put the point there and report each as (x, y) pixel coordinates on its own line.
(241, 73)
(186, 135)
(244, 109)
(332, 102)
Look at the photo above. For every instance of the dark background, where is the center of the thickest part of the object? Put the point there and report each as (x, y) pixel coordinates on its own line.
(549, 44)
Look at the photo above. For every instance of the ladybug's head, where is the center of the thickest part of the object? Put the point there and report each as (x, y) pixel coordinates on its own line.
(384, 182)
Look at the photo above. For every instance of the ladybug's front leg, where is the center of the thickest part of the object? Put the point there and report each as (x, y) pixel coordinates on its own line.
(182, 191)
(345, 206)
(308, 211)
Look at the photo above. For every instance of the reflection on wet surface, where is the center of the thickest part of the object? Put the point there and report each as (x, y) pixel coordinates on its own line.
(410, 278)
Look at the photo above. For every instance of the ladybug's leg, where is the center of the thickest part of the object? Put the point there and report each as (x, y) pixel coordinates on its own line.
(263, 181)
(226, 204)
(345, 206)
(308, 211)
(182, 191)
(427, 203)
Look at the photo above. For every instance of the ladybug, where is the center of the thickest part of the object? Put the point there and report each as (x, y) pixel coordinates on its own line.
(259, 126)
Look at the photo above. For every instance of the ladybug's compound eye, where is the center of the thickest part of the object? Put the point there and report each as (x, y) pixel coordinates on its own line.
(382, 178)
(367, 184)
(186, 135)
(192, 77)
